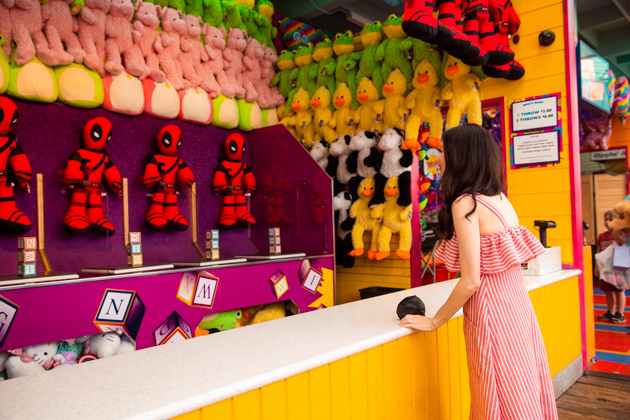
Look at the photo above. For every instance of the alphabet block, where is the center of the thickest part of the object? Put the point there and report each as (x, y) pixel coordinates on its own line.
(28, 269)
(279, 284)
(198, 289)
(8, 310)
(27, 244)
(212, 244)
(212, 254)
(120, 310)
(310, 274)
(275, 249)
(26, 256)
(134, 237)
(172, 330)
(212, 234)
(134, 249)
(134, 260)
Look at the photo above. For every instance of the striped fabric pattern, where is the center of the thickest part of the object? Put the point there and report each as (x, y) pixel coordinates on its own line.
(507, 361)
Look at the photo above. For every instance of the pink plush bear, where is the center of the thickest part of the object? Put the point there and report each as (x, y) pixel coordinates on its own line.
(92, 34)
(5, 26)
(122, 41)
(215, 72)
(26, 30)
(233, 59)
(60, 27)
(268, 97)
(192, 51)
(146, 22)
(254, 53)
(172, 27)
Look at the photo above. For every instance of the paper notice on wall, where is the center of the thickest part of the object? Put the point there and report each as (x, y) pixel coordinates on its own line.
(535, 114)
(536, 149)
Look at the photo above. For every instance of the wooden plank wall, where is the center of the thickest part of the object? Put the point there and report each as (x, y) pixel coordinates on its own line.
(420, 376)
(609, 191)
(588, 208)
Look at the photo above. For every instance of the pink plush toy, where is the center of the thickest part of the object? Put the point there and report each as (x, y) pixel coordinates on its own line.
(5, 26)
(60, 27)
(233, 60)
(192, 51)
(215, 44)
(26, 30)
(268, 97)
(254, 54)
(92, 34)
(172, 27)
(122, 41)
(146, 22)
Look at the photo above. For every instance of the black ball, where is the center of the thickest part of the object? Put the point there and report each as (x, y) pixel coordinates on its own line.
(411, 305)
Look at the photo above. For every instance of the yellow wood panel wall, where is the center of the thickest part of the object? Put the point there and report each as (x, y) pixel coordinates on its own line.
(421, 376)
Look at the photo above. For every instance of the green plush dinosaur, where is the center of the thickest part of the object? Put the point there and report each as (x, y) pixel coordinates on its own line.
(266, 32)
(265, 8)
(222, 321)
(231, 14)
(305, 75)
(323, 55)
(346, 66)
(286, 63)
(194, 7)
(371, 37)
(212, 13)
(394, 51)
(178, 4)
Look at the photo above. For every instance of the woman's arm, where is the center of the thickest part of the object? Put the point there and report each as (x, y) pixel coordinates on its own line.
(469, 241)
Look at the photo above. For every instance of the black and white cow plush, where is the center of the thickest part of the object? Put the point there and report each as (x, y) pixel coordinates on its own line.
(394, 162)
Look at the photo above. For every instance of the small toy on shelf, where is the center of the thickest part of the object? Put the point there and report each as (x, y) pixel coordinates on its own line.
(395, 49)
(347, 160)
(121, 41)
(275, 243)
(163, 171)
(394, 162)
(26, 32)
(5, 34)
(235, 181)
(173, 26)
(323, 54)
(343, 119)
(92, 33)
(282, 79)
(364, 143)
(302, 121)
(233, 60)
(27, 256)
(462, 92)
(32, 360)
(305, 75)
(106, 344)
(268, 96)
(360, 211)
(393, 109)
(85, 172)
(366, 114)
(221, 321)
(346, 69)
(192, 53)
(212, 244)
(252, 73)
(215, 72)
(60, 27)
(269, 313)
(396, 219)
(369, 66)
(321, 105)
(134, 250)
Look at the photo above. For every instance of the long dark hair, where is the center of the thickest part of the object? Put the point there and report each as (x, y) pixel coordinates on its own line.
(473, 166)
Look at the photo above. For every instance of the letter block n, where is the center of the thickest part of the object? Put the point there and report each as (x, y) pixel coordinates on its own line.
(120, 310)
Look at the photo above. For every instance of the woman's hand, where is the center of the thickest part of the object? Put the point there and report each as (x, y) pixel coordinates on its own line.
(418, 323)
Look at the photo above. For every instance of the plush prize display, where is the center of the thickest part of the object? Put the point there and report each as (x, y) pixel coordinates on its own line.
(119, 42)
(320, 154)
(462, 92)
(282, 79)
(235, 181)
(252, 72)
(302, 121)
(323, 54)
(163, 171)
(268, 96)
(221, 321)
(623, 211)
(191, 53)
(346, 66)
(396, 219)
(60, 28)
(304, 76)
(106, 344)
(146, 23)
(393, 109)
(91, 33)
(214, 68)
(341, 205)
(360, 211)
(321, 105)
(14, 167)
(347, 159)
(369, 66)
(364, 143)
(366, 114)
(86, 171)
(173, 26)
(26, 32)
(394, 162)
(31, 360)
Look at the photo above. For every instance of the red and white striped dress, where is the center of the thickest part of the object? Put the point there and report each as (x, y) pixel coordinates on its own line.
(507, 362)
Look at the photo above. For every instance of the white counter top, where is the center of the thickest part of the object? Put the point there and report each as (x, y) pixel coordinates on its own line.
(164, 382)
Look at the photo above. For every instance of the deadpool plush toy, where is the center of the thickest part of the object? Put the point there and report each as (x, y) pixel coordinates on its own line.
(14, 167)
(235, 181)
(162, 171)
(86, 170)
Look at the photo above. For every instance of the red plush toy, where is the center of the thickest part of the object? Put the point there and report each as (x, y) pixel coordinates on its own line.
(87, 170)
(235, 180)
(162, 171)
(14, 166)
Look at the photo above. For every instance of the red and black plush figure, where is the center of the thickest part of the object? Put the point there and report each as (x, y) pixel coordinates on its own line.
(235, 180)
(14, 167)
(87, 170)
(163, 171)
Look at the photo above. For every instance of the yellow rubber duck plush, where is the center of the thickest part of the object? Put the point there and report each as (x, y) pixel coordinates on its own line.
(396, 219)
(462, 93)
(269, 313)
(424, 102)
(321, 105)
(343, 118)
(366, 115)
(303, 118)
(393, 109)
(360, 211)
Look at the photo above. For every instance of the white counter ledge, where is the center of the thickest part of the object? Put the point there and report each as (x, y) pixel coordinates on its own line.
(164, 382)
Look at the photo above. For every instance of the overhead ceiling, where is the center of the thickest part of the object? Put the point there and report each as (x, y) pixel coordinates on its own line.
(605, 26)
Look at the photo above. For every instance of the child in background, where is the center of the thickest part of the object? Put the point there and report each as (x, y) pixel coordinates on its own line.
(604, 240)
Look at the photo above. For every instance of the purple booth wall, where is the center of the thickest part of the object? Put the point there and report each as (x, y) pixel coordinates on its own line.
(49, 133)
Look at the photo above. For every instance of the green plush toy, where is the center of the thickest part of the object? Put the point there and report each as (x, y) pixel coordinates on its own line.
(249, 115)
(5, 71)
(323, 55)
(248, 21)
(231, 14)
(265, 8)
(161, 3)
(346, 68)
(212, 13)
(266, 32)
(395, 49)
(371, 37)
(286, 63)
(178, 4)
(34, 81)
(305, 75)
(194, 7)
(79, 86)
(221, 321)
(225, 112)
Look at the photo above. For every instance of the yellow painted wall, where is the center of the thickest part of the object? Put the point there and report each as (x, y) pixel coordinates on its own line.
(421, 376)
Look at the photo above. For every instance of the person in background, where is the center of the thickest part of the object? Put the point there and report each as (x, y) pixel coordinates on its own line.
(604, 240)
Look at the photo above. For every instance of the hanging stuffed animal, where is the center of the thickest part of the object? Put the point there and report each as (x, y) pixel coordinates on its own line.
(343, 119)
(346, 160)
(320, 154)
(393, 109)
(253, 55)
(364, 143)
(424, 102)
(235, 181)
(305, 75)
(87, 170)
(369, 66)
(163, 171)
(282, 79)
(366, 115)
(172, 27)
(146, 23)
(92, 33)
(233, 59)
(14, 167)
(323, 54)
(32, 360)
(321, 105)
(60, 28)
(191, 55)
(268, 95)
(302, 121)
(394, 51)
(364, 222)
(396, 219)
(341, 204)
(462, 92)
(215, 73)
(26, 32)
(346, 66)
(121, 41)
(394, 162)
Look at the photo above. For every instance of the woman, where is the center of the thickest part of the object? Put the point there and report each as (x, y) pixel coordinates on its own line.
(507, 362)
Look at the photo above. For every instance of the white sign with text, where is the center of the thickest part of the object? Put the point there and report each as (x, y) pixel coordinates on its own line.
(539, 148)
(535, 114)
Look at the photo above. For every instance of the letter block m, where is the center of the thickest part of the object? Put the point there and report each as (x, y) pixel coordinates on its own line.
(120, 310)
(198, 289)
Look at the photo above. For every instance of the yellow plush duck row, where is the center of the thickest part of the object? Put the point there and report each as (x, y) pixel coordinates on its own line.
(395, 219)
(364, 222)
(302, 121)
